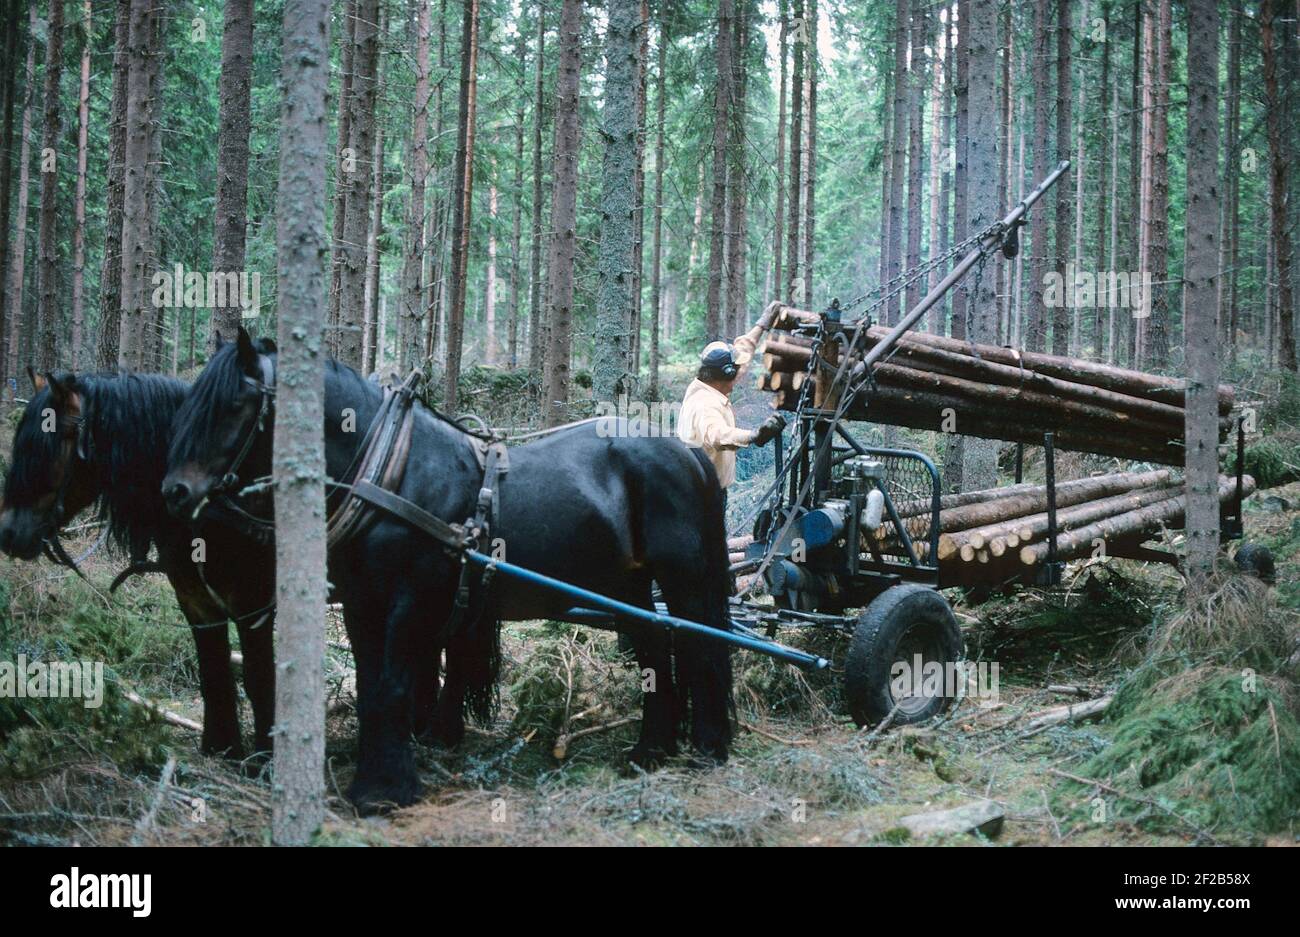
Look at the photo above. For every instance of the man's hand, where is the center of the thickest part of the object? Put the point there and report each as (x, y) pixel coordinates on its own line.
(768, 318)
(770, 429)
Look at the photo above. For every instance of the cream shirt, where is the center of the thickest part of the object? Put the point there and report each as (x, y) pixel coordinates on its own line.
(707, 420)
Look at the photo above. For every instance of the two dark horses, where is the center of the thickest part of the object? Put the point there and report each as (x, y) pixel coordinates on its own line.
(590, 505)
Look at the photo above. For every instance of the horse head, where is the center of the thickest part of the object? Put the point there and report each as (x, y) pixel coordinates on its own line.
(221, 436)
(49, 481)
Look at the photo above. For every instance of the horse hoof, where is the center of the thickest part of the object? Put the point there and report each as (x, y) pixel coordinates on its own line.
(379, 799)
(223, 748)
(648, 757)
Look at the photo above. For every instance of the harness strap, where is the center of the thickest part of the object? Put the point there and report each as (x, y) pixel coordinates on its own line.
(452, 536)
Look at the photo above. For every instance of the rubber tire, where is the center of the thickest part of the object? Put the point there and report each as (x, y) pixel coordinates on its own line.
(872, 651)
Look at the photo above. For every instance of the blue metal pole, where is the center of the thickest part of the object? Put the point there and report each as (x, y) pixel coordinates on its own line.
(588, 599)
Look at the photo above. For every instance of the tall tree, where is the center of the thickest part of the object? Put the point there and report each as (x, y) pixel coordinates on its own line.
(234, 126)
(411, 315)
(979, 456)
(960, 184)
(79, 209)
(362, 102)
(1063, 314)
(810, 175)
(18, 249)
(110, 277)
(612, 359)
(1232, 179)
(344, 168)
(800, 41)
(48, 318)
(463, 195)
(516, 240)
(1200, 300)
(298, 796)
(1279, 191)
(564, 208)
(778, 221)
(738, 181)
(1158, 229)
(916, 79)
(536, 330)
(714, 323)
(656, 263)
(134, 352)
(1042, 162)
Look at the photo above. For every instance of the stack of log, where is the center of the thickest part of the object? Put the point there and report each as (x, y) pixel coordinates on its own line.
(932, 382)
(1004, 530)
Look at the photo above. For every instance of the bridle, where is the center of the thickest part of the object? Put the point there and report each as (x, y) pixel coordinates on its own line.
(265, 407)
(71, 431)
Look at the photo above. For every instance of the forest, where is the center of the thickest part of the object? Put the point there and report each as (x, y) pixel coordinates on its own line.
(1018, 278)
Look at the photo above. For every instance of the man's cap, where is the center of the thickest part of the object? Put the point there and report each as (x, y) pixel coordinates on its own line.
(718, 355)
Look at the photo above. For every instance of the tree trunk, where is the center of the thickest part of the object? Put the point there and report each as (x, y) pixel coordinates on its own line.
(491, 346)
(18, 251)
(517, 237)
(713, 322)
(298, 795)
(1281, 234)
(638, 213)
(235, 124)
(737, 188)
(916, 79)
(110, 277)
(1103, 324)
(897, 157)
(563, 215)
(612, 357)
(357, 196)
(1158, 327)
(1063, 314)
(79, 210)
(810, 181)
(778, 222)
(137, 312)
(48, 317)
(536, 329)
(345, 168)
(371, 335)
(410, 330)
(979, 458)
(1008, 42)
(1037, 337)
(656, 269)
(12, 11)
(961, 184)
(463, 200)
(1200, 273)
(1232, 187)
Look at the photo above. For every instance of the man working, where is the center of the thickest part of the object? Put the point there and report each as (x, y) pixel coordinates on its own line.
(706, 417)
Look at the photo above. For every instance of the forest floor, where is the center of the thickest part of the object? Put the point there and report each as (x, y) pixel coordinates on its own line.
(800, 772)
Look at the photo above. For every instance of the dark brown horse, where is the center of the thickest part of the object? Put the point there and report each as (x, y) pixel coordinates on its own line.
(101, 441)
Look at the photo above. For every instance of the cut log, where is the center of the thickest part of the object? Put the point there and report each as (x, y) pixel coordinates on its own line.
(1167, 513)
(984, 817)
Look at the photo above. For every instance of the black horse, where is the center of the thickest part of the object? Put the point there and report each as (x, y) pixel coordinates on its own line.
(101, 440)
(595, 508)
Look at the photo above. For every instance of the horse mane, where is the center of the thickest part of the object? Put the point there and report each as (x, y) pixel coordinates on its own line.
(217, 387)
(128, 420)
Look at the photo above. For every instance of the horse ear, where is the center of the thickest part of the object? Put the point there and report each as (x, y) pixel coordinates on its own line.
(59, 387)
(38, 380)
(248, 354)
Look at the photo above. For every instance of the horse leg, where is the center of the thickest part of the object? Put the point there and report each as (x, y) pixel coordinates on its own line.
(255, 640)
(428, 690)
(659, 714)
(703, 666)
(217, 684)
(386, 680)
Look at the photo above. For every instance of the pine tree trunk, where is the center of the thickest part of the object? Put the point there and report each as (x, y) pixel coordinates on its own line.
(18, 251)
(344, 170)
(48, 317)
(410, 329)
(1063, 314)
(737, 188)
(1232, 168)
(1103, 324)
(536, 328)
(612, 357)
(110, 277)
(1004, 170)
(960, 185)
(517, 236)
(810, 181)
(1200, 301)
(462, 201)
(1038, 315)
(897, 156)
(79, 209)
(563, 216)
(979, 457)
(778, 222)
(656, 269)
(638, 213)
(491, 346)
(235, 118)
(1279, 193)
(12, 11)
(371, 336)
(915, 154)
(137, 313)
(1158, 327)
(298, 795)
(713, 322)
(357, 196)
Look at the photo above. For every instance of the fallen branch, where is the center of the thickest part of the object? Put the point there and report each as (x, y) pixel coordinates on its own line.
(147, 821)
(1068, 713)
(167, 715)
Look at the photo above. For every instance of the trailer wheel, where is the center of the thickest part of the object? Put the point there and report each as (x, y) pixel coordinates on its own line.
(900, 623)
